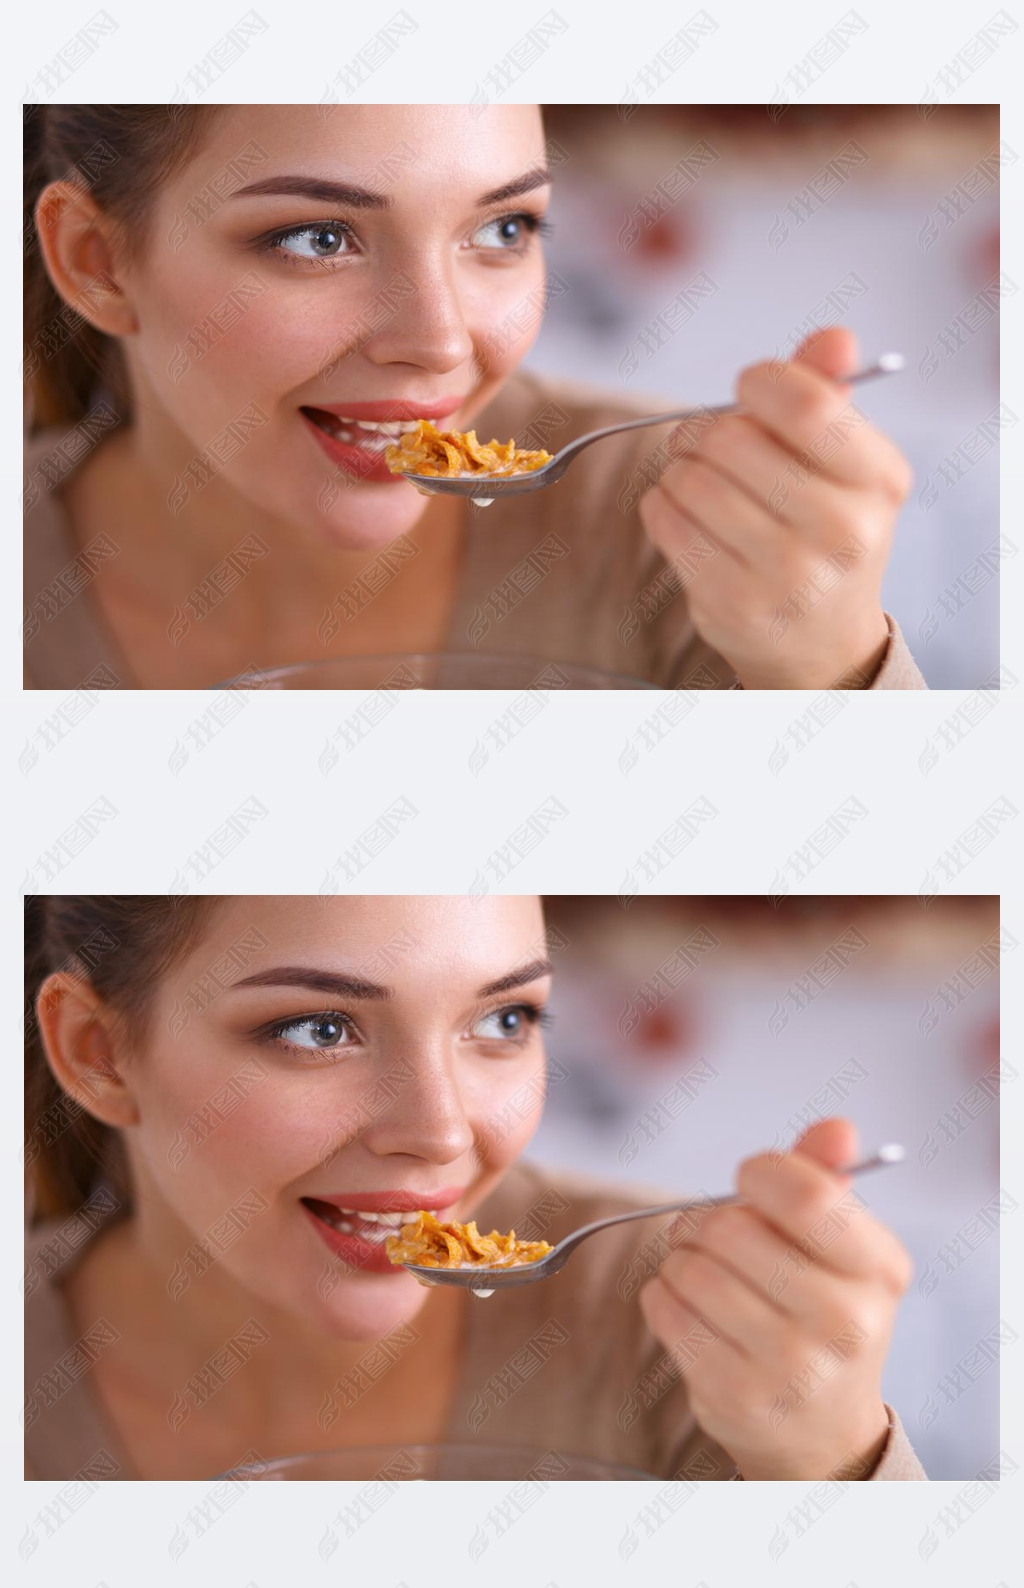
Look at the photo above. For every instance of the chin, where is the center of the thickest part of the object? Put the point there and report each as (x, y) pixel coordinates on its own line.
(386, 1302)
(360, 517)
(371, 518)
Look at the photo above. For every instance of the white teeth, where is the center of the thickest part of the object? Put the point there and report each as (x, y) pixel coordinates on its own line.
(393, 1221)
(393, 428)
(352, 435)
(390, 430)
(371, 1226)
(346, 1219)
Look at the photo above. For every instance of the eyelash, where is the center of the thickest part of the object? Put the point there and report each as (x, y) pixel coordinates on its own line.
(536, 1015)
(275, 1031)
(536, 225)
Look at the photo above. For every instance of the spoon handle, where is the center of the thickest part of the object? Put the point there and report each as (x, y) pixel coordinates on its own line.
(882, 1159)
(886, 364)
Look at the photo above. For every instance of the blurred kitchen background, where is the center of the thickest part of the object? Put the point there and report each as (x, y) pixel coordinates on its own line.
(781, 219)
(690, 1032)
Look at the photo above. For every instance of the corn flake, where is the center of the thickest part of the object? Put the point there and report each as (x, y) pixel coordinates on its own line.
(431, 1244)
(444, 454)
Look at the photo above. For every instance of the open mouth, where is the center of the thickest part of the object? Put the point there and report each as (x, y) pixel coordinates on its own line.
(374, 437)
(363, 1224)
(358, 1236)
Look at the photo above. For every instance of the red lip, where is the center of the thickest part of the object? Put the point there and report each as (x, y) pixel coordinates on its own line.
(385, 412)
(392, 1201)
(360, 1254)
(355, 1253)
(357, 461)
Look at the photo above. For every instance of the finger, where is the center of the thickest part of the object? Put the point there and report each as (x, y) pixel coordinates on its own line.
(765, 1258)
(678, 1327)
(722, 507)
(844, 1315)
(833, 352)
(777, 1269)
(831, 1142)
(744, 451)
(716, 1375)
(809, 1204)
(689, 546)
(822, 425)
(718, 1295)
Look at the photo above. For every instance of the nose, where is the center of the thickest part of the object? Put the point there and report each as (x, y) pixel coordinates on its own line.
(420, 1112)
(418, 318)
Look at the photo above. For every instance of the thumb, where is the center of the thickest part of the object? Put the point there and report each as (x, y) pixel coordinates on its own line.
(831, 1142)
(833, 352)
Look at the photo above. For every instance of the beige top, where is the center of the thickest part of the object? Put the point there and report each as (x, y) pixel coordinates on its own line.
(561, 575)
(565, 1365)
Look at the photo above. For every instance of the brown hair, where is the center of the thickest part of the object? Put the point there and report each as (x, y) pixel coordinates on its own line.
(121, 154)
(121, 944)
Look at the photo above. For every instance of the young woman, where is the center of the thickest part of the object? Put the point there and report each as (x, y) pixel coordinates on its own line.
(224, 300)
(213, 1080)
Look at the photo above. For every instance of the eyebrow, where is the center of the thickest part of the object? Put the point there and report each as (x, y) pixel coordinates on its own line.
(538, 176)
(338, 984)
(533, 971)
(364, 198)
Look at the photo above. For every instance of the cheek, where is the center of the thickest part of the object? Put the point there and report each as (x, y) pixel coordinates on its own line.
(223, 1159)
(208, 1139)
(502, 1152)
(212, 342)
(505, 1115)
(506, 318)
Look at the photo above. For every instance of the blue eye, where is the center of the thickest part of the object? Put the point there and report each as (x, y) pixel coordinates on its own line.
(510, 1024)
(324, 241)
(509, 232)
(316, 1032)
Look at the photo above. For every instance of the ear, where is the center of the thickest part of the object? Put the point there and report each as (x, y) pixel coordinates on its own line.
(78, 244)
(76, 1028)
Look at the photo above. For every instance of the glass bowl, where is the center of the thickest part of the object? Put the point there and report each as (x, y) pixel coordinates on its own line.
(434, 670)
(445, 1462)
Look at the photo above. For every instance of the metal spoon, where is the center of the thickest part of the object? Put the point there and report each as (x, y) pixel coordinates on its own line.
(486, 488)
(484, 1280)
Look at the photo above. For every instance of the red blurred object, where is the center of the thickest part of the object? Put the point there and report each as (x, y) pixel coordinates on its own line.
(667, 238)
(985, 1047)
(984, 262)
(664, 1034)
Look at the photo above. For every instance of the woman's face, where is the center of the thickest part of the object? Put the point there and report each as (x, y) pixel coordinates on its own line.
(375, 1054)
(378, 274)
